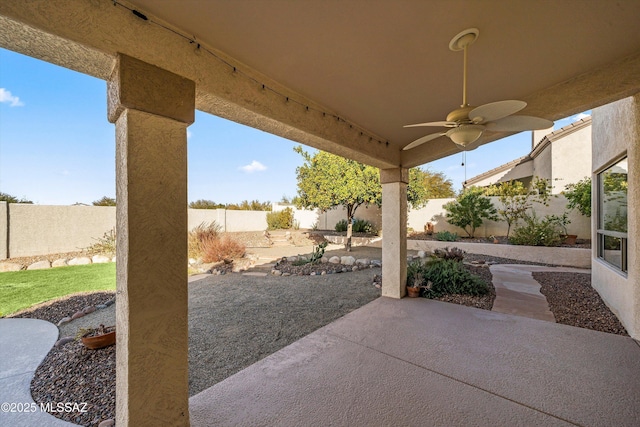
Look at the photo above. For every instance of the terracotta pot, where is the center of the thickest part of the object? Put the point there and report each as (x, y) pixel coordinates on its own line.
(413, 292)
(570, 239)
(99, 341)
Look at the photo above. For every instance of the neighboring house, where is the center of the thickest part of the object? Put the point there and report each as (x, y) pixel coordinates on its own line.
(562, 156)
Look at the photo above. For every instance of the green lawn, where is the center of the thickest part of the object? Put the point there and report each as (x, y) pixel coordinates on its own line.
(22, 289)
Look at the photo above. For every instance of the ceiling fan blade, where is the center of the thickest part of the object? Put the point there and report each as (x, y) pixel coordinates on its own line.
(518, 124)
(495, 111)
(424, 139)
(441, 124)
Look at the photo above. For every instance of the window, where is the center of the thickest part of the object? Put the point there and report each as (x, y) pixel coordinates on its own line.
(612, 215)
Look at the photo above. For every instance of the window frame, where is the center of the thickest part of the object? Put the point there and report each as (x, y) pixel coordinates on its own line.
(602, 233)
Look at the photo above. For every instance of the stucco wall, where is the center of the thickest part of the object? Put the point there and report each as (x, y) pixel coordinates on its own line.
(571, 158)
(435, 213)
(39, 229)
(616, 131)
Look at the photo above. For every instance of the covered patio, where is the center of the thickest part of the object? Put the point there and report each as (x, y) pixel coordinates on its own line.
(418, 362)
(342, 77)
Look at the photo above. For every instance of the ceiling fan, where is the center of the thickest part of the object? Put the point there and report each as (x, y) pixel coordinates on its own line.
(467, 123)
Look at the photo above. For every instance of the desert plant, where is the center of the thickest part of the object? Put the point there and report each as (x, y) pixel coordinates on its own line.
(470, 209)
(216, 249)
(105, 244)
(280, 220)
(446, 236)
(441, 276)
(537, 231)
(455, 254)
(579, 196)
(514, 199)
(200, 233)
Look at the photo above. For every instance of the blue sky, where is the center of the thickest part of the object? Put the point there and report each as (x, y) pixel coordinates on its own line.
(57, 147)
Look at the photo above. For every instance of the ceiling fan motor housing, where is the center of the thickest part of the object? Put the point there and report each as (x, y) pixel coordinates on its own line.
(461, 114)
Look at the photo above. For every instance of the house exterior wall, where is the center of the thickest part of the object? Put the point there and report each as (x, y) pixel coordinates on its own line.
(616, 132)
(571, 158)
(542, 163)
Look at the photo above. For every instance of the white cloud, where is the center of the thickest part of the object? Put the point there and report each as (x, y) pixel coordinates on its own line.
(580, 116)
(13, 101)
(254, 166)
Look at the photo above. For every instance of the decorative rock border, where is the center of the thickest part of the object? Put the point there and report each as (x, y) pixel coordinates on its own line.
(87, 310)
(60, 262)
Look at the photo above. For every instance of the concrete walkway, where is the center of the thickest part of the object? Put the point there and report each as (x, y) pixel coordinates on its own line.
(23, 345)
(519, 294)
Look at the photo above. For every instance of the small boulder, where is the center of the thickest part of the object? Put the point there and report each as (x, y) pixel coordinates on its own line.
(347, 260)
(89, 309)
(77, 315)
(422, 254)
(376, 263)
(363, 261)
(100, 259)
(64, 320)
(110, 302)
(40, 265)
(344, 269)
(334, 260)
(323, 273)
(59, 262)
(292, 258)
(286, 274)
(313, 273)
(276, 272)
(324, 260)
(10, 266)
(83, 260)
(101, 306)
(354, 268)
(63, 341)
(107, 423)
(192, 261)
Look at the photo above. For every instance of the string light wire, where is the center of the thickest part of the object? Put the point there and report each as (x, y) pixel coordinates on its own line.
(236, 70)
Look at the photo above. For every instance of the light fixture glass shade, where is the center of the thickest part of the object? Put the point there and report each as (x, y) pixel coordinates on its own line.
(465, 134)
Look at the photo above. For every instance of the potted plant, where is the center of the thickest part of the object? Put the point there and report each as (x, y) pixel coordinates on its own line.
(95, 338)
(562, 222)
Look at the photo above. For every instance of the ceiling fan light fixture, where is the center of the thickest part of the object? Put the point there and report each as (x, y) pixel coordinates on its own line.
(465, 134)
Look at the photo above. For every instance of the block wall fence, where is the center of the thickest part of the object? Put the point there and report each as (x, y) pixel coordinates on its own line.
(29, 230)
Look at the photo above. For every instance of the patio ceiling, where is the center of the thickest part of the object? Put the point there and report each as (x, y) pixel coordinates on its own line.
(379, 65)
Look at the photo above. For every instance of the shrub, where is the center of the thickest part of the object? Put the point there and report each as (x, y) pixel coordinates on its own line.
(455, 254)
(579, 196)
(537, 232)
(448, 276)
(280, 220)
(216, 249)
(469, 210)
(105, 244)
(446, 236)
(359, 226)
(199, 234)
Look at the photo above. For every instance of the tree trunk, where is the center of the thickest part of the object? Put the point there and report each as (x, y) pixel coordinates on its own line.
(350, 213)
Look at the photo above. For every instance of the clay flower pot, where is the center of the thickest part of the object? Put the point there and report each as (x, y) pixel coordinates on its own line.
(100, 341)
(413, 292)
(570, 239)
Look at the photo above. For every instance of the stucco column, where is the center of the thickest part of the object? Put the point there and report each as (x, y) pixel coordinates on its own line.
(151, 108)
(394, 229)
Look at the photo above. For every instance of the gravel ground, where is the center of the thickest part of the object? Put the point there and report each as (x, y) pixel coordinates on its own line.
(574, 302)
(236, 320)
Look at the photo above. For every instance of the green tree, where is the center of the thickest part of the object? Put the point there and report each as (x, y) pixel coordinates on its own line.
(105, 201)
(436, 184)
(326, 181)
(579, 196)
(4, 197)
(253, 205)
(470, 209)
(515, 201)
(206, 204)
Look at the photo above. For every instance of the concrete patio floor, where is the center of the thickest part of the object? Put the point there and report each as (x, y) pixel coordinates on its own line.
(418, 362)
